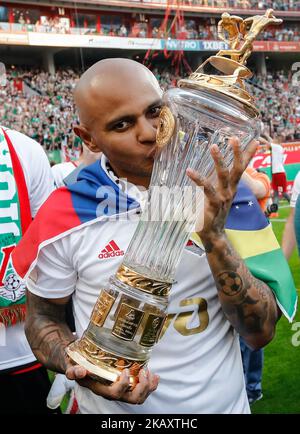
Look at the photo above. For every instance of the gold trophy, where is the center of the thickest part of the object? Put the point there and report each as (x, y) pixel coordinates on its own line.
(204, 109)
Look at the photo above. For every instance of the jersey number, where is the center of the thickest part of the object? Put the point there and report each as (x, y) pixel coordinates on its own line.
(183, 319)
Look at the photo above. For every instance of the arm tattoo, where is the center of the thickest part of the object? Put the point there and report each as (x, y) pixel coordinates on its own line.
(247, 302)
(230, 282)
(47, 332)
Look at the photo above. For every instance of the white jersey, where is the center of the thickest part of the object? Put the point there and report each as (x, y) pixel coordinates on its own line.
(295, 191)
(277, 158)
(198, 358)
(61, 171)
(14, 348)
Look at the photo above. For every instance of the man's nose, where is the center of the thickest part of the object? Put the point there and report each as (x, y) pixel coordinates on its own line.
(147, 130)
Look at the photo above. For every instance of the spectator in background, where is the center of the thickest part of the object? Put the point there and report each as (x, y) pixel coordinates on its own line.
(21, 21)
(279, 183)
(142, 33)
(123, 31)
(154, 32)
(289, 237)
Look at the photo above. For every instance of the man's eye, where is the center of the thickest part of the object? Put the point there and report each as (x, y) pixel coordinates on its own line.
(121, 126)
(154, 111)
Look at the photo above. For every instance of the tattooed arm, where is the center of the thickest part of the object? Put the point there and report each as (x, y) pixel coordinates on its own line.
(248, 303)
(47, 331)
(48, 335)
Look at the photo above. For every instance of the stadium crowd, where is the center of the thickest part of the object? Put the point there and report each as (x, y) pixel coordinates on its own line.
(282, 5)
(286, 33)
(203, 30)
(41, 105)
(278, 99)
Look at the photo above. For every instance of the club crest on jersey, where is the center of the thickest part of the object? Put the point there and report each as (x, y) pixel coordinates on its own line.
(13, 289)
(110, 251)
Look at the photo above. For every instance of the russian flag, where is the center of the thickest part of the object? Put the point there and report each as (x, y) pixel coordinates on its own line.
(252, 236)
(92, 198)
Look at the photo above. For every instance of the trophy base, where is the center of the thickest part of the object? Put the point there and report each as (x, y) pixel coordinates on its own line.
(103, 366)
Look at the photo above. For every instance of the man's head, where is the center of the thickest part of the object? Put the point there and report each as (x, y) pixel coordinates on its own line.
(277, 139)
(119, 101)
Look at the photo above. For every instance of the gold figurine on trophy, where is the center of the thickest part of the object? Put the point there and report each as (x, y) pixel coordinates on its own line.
(239, 34)
(243, 30)
(230, 30)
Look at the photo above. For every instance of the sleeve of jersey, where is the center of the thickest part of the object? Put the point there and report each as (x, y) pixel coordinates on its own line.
(251, 235)
(52, 277)
(56, 217)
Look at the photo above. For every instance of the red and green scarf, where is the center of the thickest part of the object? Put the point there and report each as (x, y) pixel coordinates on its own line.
(15, 217)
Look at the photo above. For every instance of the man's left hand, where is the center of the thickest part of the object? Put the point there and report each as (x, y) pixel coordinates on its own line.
(218, 199)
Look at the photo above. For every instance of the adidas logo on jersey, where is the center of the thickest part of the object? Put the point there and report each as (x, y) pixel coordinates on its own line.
(110, 251)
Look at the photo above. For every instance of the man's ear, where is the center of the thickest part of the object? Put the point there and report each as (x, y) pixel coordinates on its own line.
(86, 137)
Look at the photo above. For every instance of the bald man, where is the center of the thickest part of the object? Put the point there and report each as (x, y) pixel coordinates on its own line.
(200, 366)
(119, 101)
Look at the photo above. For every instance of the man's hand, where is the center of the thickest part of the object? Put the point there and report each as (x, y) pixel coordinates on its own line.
(49, 335)
(248, 303)
(218, 199)
(120, 389)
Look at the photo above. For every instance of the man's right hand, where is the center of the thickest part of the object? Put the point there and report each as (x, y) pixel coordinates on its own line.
(120, 389)
(48, 335)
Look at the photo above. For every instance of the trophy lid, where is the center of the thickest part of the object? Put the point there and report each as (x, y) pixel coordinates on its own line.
(229, 64)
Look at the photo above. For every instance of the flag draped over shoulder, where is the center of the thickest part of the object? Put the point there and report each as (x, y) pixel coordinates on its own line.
(92, 198)
(251, 235)
(95, 196)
